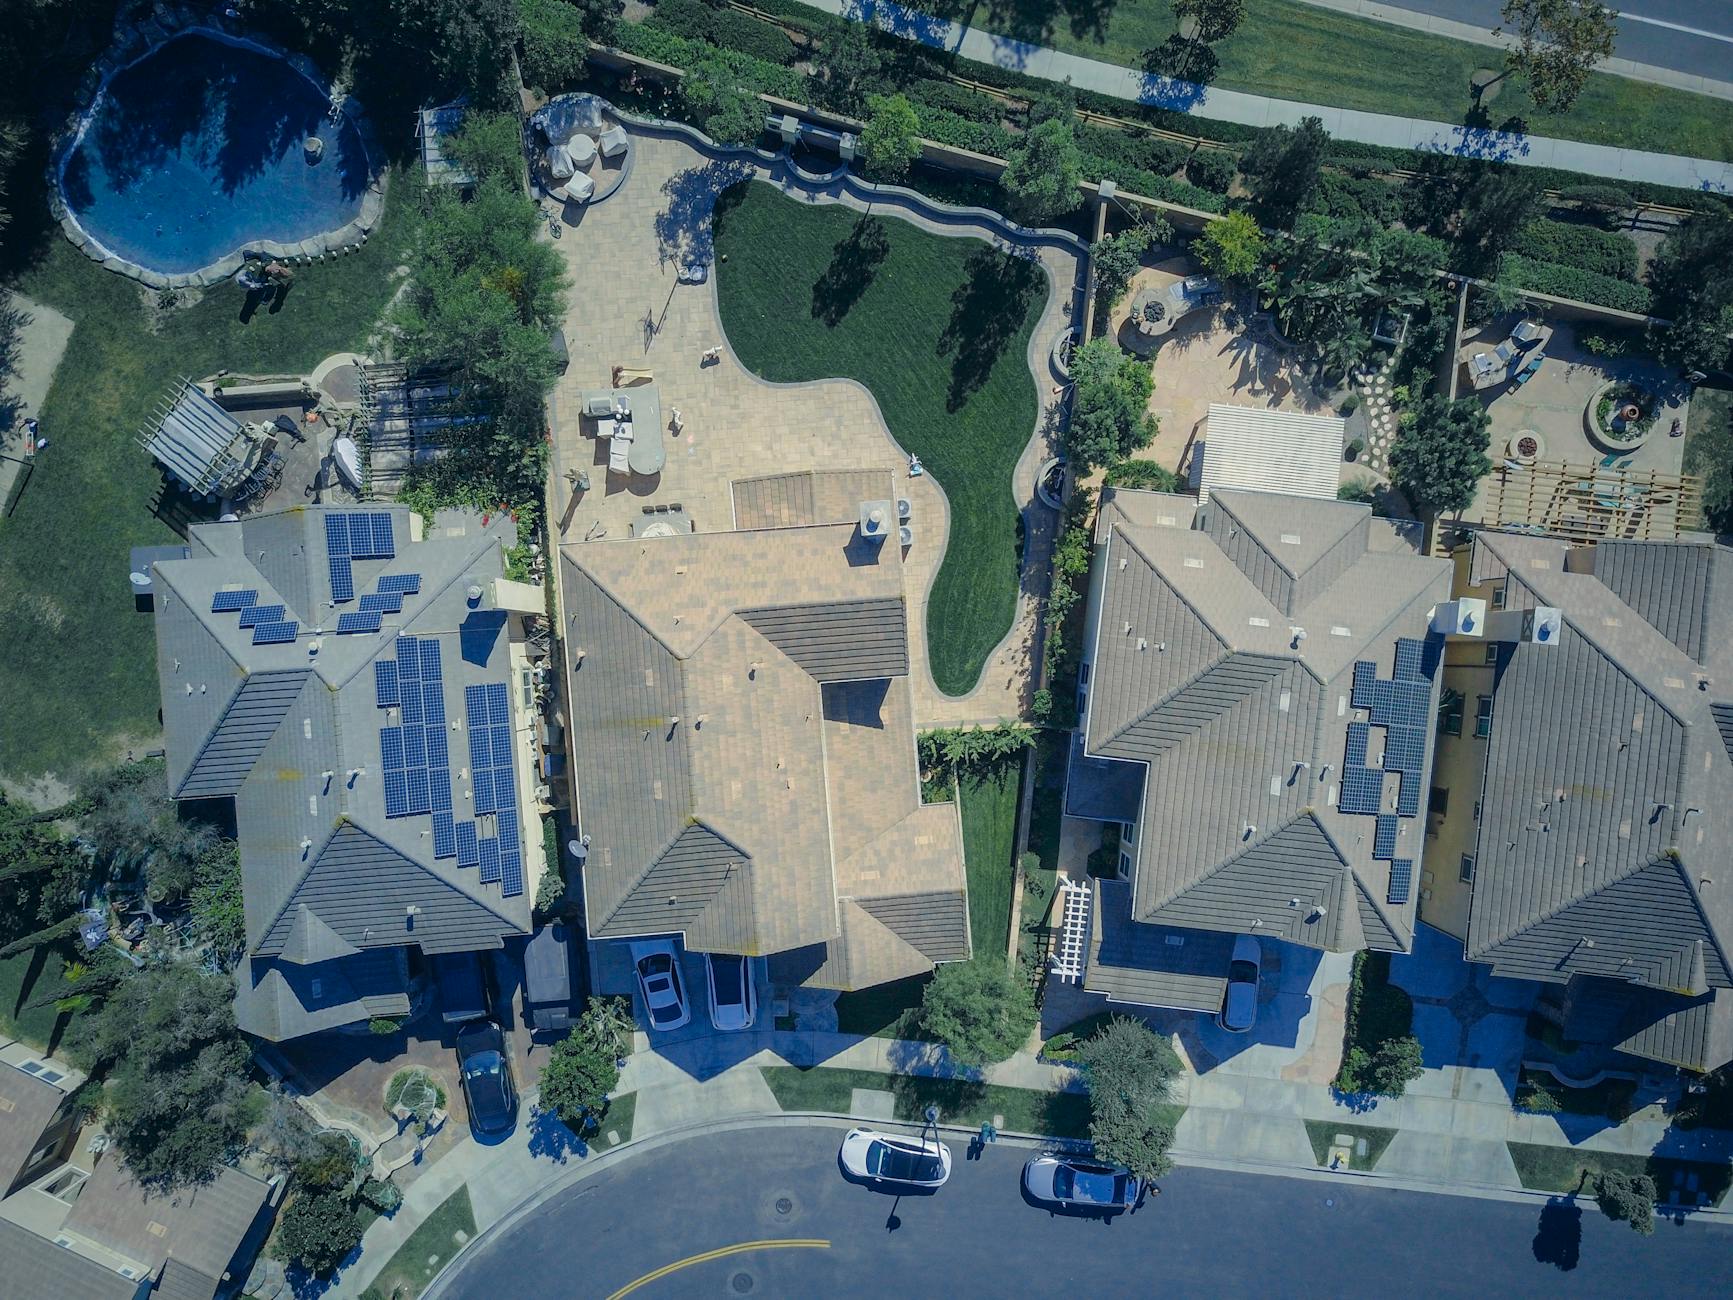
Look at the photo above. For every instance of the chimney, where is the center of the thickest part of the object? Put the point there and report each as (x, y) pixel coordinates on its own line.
(1538, 626)
(1464, 617)
(876, 519)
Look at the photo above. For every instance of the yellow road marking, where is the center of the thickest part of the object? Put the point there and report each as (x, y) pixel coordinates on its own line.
(722, 1252)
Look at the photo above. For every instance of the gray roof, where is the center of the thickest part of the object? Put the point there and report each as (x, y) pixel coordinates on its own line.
(35, 1266)
(29, 1107)
(1240, 725)
(1608, 796)
(1695, 1033)
(292, 732)
(1153, 965)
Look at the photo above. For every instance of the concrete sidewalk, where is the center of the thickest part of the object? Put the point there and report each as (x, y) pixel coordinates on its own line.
(1257, 110)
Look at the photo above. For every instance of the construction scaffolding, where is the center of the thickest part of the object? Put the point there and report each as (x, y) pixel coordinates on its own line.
(1590, 502)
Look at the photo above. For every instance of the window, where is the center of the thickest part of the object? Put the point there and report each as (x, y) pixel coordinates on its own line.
(1438, 801)
(1467, 872)
(1477, 810)
(1127, 833)
(1491, 653)
(1498, 595)
(1083, 675)
(1125, 866)
(1483, 717)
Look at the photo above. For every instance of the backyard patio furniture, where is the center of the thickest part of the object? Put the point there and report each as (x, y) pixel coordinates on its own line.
(582, 149)
(620, 448)
(613, 142)
(1529, 369)
(561, 165)
(597, 403)
(579, 189)
(1527, 333)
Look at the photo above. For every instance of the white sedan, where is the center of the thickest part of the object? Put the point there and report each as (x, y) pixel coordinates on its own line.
(658, 967)
(884, 1158)
(1080, 1184)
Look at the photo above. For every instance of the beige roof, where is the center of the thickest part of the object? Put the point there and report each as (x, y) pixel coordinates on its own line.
(807, 497)
(741, 726)
(1254, 449)
(27, 1107)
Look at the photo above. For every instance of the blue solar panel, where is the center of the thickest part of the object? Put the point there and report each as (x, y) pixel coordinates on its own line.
(439, 788)
(414, 747)
(337, 534)
(432, 704)
(498, 706)
(420, 796)
(358, 622)
(1410, 655)
(386, 602)
(396, 794)
(274, 633)
(1365, 672)
(489, 850)
(408, 657)
(430, 659)
(1358, 736)
(507, 828)
(511, 875)
(391, 747)
(480, 755)
(1408, 796)
(1404, 749)
(253, 615)
(437, 754)
(475, 706)
(504, 790)
(483, 782)
(1401, 880)
(1384, 837)
(1362, 790)
(361, 535)
(385, 682)
(466, 847)
(406, 583)
(501, 744)
(444, 836)
(227, 602)
(411, 704)
(383, 546)
(342, 579)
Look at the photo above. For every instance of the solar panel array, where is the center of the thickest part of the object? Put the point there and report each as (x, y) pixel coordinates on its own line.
(1384, 837)
(1401, 880)
(1362, 790)
(270, 627)
(358, 621)
(355, 535)
(275, 633)
(253, 615)
(415, 757)
(227, 602)
(1402, 706)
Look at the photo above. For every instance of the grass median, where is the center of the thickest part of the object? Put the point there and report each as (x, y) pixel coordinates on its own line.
(1024, 1110)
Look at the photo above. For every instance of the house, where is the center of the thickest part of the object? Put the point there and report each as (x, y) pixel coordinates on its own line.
(357, 684)
(1258, 686)
(1591, 804)
(742, 740)
(75, 1225)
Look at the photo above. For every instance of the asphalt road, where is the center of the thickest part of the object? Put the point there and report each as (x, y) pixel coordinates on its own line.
(1694, 36)
(1209, 1234)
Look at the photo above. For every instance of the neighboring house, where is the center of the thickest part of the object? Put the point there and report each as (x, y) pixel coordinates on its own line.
(742, 737)
(74, 1226)
(1259, 684)
(357, 688)
(1591, 803)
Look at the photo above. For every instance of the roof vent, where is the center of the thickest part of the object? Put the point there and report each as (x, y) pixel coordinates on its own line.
(1298, 634)
(875, 519)
(473, 594)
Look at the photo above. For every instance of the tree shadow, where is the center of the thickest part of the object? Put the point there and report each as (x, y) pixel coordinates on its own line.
(914, 1093)
(551, 1138)
(854, 264)
(1558, 1238)
(987, 312)
(1182, 60)
(685, 227)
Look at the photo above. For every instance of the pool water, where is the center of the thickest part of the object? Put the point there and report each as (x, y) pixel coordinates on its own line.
(197, 150)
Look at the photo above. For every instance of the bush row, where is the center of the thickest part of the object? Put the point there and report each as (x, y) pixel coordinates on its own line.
(1341, 195)
(728, 28)
(1569, 282)
(1604, 252)
(664, 46)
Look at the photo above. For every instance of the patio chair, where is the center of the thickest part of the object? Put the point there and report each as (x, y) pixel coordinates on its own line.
(614, 142)
(579, 189)
(561, 165)
(598, 404)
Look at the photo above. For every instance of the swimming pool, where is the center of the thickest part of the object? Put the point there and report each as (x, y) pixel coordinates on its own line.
(198, 149)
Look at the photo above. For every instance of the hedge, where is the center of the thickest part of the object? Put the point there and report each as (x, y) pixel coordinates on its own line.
(1340, 195)
(1602, 252)
(728, 28)
(1148, 153)
(1212, 169)
(962, 101)
(663, 46)
(1569, 282)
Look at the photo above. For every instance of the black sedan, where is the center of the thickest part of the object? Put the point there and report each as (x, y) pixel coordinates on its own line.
(487, 1081)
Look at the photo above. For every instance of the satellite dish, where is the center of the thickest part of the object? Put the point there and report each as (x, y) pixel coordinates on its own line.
(140, 579)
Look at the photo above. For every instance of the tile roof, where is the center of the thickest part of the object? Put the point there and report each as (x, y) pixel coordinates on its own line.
(1153, 965)
(27, 1107)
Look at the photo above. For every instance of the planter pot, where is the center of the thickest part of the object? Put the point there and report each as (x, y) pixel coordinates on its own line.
(1601, 438)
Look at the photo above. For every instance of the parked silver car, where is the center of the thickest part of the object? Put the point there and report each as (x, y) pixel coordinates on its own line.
(1080, 1184)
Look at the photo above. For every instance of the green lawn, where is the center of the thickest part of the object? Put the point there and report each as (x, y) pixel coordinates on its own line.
(883, 1011)
(1051, 1114)
(989, 812)
(1323, 1132)
(618, 1120)
(1540, 1092)
(77, 663)
(1566, 1169)
(938, 329)
(429, 1248)
(1291, 50)
(22, 976)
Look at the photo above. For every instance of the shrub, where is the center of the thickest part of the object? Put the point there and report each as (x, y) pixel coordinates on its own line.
(1350, 404)
(1121, 148)
(970, 105)
(317, 1231)
(1232, 248)
(1608, 203)
(380, 1195)
(1338, 195)
(977, 1010)
(1118, 257)
(1610, 341)
(555, 50)
(728, 28)
(664, 46)
(1602, 252)
(1041, 705)
(1144, 474)
(1568, 282)
(384, 1025)
(1212, 169)
(1628, 1197)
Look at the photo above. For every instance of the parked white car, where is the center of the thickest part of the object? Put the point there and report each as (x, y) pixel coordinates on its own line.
(1240, 1008)
(1080, 1184)
(733, 1001)
(658, 967)
(904, 1162)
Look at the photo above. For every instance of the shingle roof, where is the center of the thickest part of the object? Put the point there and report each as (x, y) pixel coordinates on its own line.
(1198, 673)
(1695, 1033)
(35, 1266)
(27, 1107)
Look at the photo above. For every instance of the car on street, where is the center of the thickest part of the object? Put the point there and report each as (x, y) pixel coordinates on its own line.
(900, 1161)
(486, 1072)
(1240, 1007)
(733, 1001)
(659, 980)
(1080, 1184)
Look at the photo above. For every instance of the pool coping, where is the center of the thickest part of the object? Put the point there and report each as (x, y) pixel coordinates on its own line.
(133, 42)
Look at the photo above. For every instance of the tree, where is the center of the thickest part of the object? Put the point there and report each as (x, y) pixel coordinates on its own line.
(1110, 416)
(218, 915)
(1118, 258)
(135, 829)
(1627, 1197)
(1395, 1065)
(38, 938)
(1215, 20)
(1284, 163)
(599, 17)
(466, 42)
(317, 1231)
(729, 110)
(1042, 174)
(891, 140)
(584, 1067)
(1692, 275)
(555, 49)
(1439, 454)
(1496, 204)
(1128, 1068)
(846, 65)
(1558, 44)
(979, 1010)
(332, 1164)
(1232, 248)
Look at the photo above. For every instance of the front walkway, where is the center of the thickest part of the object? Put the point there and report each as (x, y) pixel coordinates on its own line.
(1257, 110)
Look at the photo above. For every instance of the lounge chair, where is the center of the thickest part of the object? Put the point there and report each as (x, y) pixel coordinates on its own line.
(613, 142)
(598, 403)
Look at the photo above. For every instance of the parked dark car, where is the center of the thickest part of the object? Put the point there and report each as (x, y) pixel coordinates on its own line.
(462, 986)
(487, 1083)
(548, 984)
